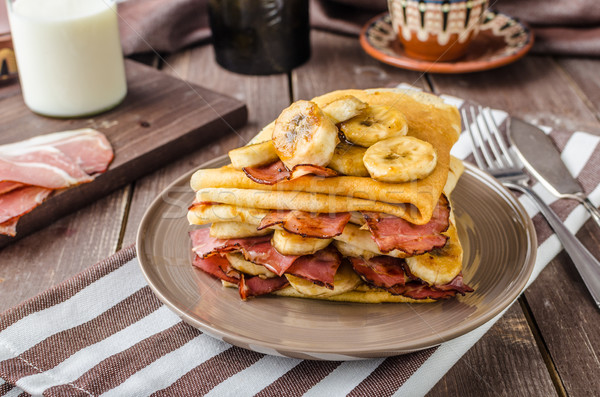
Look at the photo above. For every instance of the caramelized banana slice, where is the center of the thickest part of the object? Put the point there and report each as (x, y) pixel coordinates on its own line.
(304, 135)
(293, 244)
(400, 159)
(344, 108)
(253, 155)
(344, 280)
(374, 124)
(348, 160)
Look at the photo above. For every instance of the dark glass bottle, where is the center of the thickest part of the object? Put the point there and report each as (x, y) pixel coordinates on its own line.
(260, 36)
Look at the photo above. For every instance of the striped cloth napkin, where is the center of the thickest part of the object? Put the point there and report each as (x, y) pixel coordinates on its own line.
(103, 332)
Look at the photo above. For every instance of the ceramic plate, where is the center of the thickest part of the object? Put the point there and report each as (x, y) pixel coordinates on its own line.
(500, 41)
(499, 252)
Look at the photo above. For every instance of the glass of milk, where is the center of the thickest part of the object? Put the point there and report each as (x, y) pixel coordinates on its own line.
(69, 55)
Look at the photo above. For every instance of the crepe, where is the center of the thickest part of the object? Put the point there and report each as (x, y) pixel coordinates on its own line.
(428, 119)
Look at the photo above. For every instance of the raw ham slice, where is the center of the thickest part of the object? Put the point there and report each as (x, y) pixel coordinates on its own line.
(307, 224)
(390, 232)
(255, 249)
(254, 286)
(8, 186)
(320, 268)
(380, 271)
(416, 290)
(17, 203)
(276, 172)
(219, 267)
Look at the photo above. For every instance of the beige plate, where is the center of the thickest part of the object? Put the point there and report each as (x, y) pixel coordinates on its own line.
(499, 243)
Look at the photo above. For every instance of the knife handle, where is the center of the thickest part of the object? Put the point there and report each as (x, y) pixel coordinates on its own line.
(592, 210)
(587, 265)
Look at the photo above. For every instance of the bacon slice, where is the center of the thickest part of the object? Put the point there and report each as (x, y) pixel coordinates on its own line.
(8, 186)
(9, 228)
(219, 267)
(276, 172)
(307, 224)
(380, 271)
(255, 249)
(390, 232)
(320, 268)
(255, 286)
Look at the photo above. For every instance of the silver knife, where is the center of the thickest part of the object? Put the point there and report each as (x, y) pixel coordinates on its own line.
(541, 158)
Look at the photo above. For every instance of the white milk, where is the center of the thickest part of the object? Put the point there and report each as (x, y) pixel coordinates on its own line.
(69, 55)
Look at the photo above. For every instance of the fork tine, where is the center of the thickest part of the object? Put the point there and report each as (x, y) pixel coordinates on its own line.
(478, 132)
(493, 139)
(493, 127)
(467, 123)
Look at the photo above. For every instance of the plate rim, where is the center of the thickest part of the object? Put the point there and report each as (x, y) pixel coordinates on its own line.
(275, 348)
(442, 67)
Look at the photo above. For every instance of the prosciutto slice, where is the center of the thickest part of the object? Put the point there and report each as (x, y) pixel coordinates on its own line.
(391, 232)
(276, 172)
(255, 249)
(31, 169)
(219, 267)
(380, 271)
(307, 224)
(320, 268)
(419, 290)
(255, 286)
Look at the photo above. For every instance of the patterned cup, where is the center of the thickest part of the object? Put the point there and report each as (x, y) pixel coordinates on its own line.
(436, 30)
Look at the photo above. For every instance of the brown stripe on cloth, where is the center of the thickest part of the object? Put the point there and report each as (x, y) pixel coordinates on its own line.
(64, 344)
(391, 374)
(542, 229)
(560, 138)
(210, 373)
(24, 394)
(5, 388)
(66, 289)
(114, 370)
(299, 379)
(563, 208)
(589, 177)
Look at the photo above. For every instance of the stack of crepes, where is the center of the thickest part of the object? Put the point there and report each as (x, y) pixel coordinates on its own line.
(344, 197)
(31, 170)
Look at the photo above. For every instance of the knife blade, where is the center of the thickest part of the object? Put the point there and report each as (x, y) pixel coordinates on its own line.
(541, 158)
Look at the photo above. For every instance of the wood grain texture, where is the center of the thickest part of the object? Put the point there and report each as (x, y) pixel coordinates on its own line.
(161, 119)
(338, 62)
(584, 73)
(487, 369)
(61, 250)
(265, 97)
(536, 89)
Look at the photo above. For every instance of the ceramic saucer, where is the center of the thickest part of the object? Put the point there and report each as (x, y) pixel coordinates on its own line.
(501, 40)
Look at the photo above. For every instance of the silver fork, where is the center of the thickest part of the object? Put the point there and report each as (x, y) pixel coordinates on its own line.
(492, 155)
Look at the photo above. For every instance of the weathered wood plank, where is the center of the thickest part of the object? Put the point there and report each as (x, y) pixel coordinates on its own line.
(59, 251)
(584, 73)
(537, 90)
(265, 96)
(338, 62)
(482, 370)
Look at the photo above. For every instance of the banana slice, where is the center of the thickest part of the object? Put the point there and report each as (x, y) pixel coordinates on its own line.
(227, 230)
(203, 214)
(440, 265)
(293, 244)
(374, 124)
(304, 135)
(253, 155)
(351, 250)
(344, 108)
(348, 160)
(238, 262)
(363, 240)
(400, 159)
(344, 280)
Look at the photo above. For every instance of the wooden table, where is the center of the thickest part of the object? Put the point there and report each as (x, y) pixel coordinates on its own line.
(547, 344)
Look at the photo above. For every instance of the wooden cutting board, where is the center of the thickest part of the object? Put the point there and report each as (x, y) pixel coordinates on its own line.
(161, 119)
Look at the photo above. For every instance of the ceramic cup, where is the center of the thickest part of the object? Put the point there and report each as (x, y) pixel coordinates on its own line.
(436, 30)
